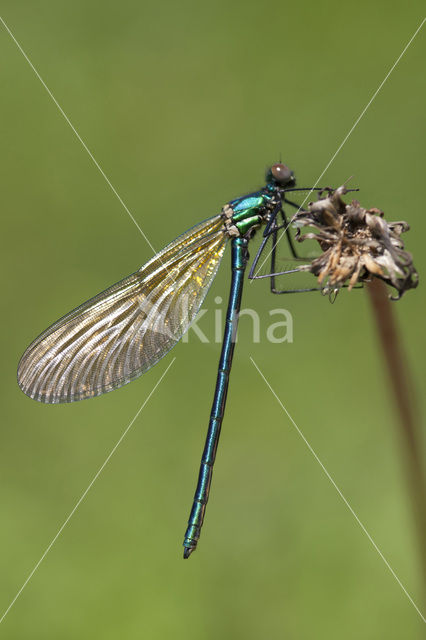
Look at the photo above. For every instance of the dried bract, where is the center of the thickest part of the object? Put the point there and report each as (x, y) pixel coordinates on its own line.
(356, 244)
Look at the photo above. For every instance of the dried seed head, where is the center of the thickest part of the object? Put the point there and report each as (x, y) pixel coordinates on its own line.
(356, 244)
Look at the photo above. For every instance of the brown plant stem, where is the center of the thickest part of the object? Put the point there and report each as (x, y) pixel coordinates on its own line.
(407, 412)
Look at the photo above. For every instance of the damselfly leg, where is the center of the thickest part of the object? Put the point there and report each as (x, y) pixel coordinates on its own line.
(271, 239)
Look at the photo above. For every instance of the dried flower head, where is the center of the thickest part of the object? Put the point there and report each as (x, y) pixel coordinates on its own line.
(356, 244)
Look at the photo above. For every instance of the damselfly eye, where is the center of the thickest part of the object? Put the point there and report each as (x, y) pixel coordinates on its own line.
(281, 174)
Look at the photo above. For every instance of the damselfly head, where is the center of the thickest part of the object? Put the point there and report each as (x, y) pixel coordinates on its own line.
(280, 175)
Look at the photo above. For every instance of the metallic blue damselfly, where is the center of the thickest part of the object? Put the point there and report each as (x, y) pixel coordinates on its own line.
(122, 332)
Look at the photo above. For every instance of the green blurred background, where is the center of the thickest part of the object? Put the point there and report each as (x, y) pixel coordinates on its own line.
(184, 104)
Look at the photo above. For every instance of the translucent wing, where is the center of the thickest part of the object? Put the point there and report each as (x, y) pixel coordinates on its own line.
(119, 334)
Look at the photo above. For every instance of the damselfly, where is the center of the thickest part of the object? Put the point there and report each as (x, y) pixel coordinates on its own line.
(119, 334)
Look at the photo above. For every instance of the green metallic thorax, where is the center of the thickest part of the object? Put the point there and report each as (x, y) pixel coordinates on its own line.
(247, 212)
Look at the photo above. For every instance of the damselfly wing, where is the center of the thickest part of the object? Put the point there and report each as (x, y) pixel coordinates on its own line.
(119, 334)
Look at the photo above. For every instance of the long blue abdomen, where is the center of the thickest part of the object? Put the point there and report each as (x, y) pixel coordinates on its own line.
(239, 261)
